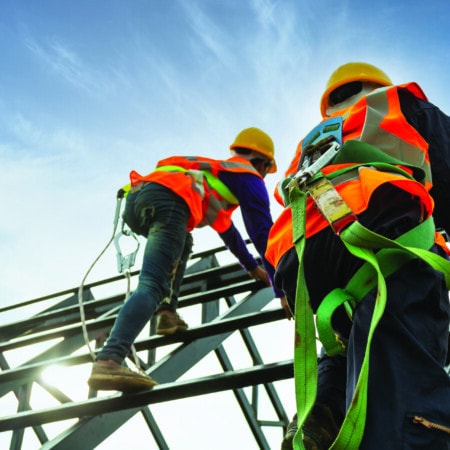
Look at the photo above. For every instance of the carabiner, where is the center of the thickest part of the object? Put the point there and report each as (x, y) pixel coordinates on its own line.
(124, 263)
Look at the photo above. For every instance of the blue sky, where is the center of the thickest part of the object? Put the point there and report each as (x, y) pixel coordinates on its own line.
(99, 88)
(92, 89)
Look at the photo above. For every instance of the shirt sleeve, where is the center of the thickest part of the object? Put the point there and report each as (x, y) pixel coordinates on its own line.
(253, 198)
(236, 244)
(434, 126)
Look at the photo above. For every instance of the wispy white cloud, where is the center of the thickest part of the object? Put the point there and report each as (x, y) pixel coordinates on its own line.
(209, 38)
(64, 62)
(265, 9)
(61, 60)
(29, 140)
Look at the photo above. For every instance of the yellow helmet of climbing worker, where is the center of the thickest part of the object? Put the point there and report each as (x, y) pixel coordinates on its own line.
(352, 71)
(255, 139)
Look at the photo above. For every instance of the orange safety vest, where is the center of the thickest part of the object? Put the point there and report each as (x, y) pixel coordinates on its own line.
(195, 180)
(376, 119)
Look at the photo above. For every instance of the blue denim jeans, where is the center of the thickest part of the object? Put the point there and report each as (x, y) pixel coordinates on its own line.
(156, 212)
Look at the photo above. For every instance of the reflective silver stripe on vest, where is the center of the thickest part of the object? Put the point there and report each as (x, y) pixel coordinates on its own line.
(372, 133)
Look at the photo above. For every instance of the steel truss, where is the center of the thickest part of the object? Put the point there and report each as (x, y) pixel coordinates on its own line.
(229, 303)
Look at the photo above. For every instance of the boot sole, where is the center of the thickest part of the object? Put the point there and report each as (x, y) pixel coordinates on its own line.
(120, 383)
(172, 330)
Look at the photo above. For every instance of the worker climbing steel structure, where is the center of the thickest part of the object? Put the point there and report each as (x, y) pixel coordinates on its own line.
(227, 305)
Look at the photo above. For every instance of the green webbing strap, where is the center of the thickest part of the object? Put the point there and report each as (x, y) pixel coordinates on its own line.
(364, 280)
(362, 242)
(358, 235)
(329, 339)
(213, 181)
(352, 429)
(305, 352)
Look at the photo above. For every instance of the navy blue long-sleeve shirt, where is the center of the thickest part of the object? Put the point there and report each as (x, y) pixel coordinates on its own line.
(251, 192)
(434, 126)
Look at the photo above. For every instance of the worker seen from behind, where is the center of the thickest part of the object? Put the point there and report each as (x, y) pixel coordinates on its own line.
(356, 250)
(180, 194)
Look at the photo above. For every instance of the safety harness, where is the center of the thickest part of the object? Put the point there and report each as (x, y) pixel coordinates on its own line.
(382, 257)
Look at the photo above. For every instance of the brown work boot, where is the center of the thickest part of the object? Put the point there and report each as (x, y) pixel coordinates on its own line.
(111, 376)
(287, 442)
(320, 429)
(170, 323)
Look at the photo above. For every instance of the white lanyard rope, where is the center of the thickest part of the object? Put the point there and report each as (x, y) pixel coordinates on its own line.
(124, 265)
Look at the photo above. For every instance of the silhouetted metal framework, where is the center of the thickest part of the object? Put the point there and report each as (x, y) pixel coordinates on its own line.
(206, 283)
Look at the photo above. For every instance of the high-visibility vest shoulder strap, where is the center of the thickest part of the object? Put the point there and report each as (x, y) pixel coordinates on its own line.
(377, 119)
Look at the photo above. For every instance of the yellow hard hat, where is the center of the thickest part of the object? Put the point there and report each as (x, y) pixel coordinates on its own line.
(258, 141)
(353, 71)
